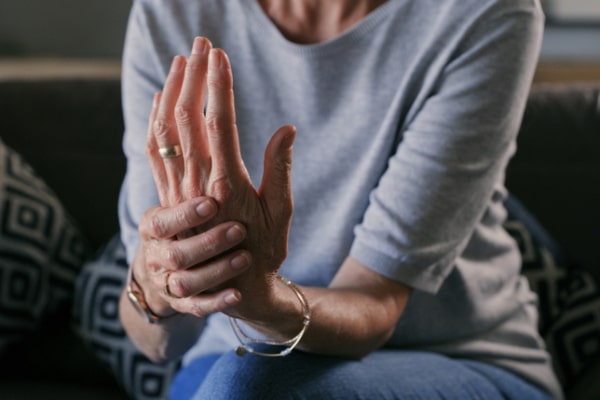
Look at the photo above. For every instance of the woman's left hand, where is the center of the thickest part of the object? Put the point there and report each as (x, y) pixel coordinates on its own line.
(210, 164)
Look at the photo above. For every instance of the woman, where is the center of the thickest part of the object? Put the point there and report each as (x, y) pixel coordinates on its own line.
(404, 115)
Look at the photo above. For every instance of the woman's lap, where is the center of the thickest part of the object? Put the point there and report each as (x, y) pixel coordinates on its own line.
(385, 374)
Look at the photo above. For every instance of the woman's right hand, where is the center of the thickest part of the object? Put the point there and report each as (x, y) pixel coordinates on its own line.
(167, 246)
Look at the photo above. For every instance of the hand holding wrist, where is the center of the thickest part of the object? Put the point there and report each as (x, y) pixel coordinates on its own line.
(136, 296)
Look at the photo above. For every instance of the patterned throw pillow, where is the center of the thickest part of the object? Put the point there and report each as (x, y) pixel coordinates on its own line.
(41, 251)
(569, 298)
(96, 321)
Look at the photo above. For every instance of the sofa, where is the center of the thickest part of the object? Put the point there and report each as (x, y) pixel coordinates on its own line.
(62, 142)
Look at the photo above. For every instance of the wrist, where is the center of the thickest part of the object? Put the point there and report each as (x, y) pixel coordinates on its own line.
(141, 303)
(276, 334)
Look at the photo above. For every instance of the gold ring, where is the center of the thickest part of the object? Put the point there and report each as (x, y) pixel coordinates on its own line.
(167, 289)
(169, 151)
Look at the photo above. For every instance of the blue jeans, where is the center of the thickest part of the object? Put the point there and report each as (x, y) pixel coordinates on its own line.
(384, 374)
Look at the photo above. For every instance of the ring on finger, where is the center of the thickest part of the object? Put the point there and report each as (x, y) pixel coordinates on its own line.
(169, 151)
(167, 290)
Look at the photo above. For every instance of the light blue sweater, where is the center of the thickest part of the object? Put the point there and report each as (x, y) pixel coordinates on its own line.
(406, 123)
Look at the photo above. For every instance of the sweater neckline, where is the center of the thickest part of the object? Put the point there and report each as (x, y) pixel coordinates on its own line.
(262, 25)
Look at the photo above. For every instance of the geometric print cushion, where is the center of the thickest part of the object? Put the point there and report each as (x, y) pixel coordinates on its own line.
(41, 251)
(95, 318)
(573, 338)
(568, 296)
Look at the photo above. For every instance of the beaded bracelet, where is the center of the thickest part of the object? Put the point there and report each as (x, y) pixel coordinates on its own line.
(245, 340)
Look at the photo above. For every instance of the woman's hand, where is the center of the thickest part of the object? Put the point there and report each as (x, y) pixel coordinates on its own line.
(215, 243)
(201, 261)
(161, 253)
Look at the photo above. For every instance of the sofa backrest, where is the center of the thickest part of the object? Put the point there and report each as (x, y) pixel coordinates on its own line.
(556, 170)
(69, 131)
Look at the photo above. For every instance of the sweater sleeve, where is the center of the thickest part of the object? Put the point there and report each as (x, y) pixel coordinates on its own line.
(454, 151)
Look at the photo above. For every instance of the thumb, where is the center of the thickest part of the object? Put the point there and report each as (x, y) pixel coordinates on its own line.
(276, 185)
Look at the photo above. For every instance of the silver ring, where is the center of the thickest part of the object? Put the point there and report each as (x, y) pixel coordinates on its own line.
(169, 151)
(167, 289)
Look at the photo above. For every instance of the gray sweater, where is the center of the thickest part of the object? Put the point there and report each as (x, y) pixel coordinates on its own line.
(406, 123)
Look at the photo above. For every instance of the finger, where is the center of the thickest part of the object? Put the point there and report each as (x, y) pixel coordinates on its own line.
(276, 185)
(156, 163)
(193, 250)
(207, 303)
(166, 223)
(189, 115)
(220, 117)
(164, 128)
(194, 281)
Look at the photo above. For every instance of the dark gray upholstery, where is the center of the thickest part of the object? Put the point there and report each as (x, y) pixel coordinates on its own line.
(70, 132)
(556, 171)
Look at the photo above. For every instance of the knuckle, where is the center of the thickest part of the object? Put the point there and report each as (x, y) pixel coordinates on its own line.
(175, 197)
(153, 267)
(156, 226)
(160, 128)
(191, 189)
(217, 124)
(183, 217)
(199, 310)
(151, 148)
(221, 188)
(173, 257)
(178, 287)
(184, 113)
(150, 225)
(144, 226)
(208, 305)
(214, 123)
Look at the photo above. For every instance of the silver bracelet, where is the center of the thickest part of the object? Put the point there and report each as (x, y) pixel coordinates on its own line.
(290, 344)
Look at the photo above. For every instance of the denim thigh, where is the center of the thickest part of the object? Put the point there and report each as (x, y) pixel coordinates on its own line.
(384, 374)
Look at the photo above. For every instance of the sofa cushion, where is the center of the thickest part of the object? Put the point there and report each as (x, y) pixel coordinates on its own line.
(569, 298)
(96, 321)
(41, 251)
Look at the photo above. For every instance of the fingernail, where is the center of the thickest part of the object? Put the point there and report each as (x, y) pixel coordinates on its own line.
(199, 46)
(177, 64)
(239, 262)
(234, 234)
(205, 209)
(232, 298)
(288, 142)
(215, 59)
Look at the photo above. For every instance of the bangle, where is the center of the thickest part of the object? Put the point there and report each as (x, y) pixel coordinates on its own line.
(138, 300)
(290, 344)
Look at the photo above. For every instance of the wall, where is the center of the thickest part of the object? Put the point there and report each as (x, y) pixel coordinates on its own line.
(578, 43)
(63, 28)
(94, 30)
